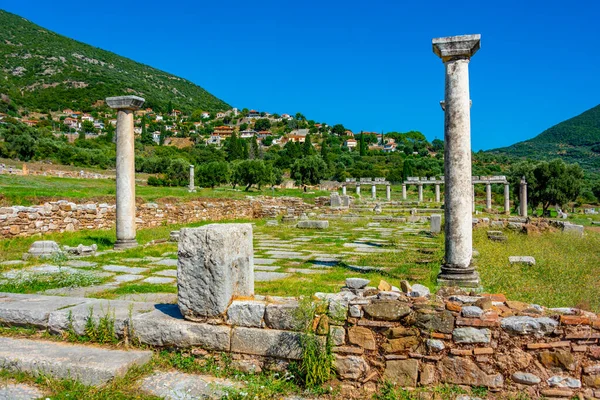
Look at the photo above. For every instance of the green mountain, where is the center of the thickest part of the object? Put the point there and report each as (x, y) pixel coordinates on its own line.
(42, 70)
(576, 140)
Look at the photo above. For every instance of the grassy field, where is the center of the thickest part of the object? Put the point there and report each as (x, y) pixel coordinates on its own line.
(33, 190)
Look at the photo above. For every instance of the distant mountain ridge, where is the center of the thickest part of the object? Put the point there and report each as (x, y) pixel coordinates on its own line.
(42, 70)
(576, 140)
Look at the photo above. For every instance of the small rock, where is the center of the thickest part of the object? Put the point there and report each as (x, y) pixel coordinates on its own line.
(435, 345)
(528, 325)
(419, 291)
(471, 335)
(355, 311)
(389, 295)
(384, 286)
(564, 382)
(357, 283)
(525, 378)
(405, 286)
(471, 312)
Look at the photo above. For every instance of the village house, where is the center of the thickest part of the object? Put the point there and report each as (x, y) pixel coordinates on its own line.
(223, 131)
(205, 115)
(87, 117)
(156, 137)
(253, 114)
(67, 111)
(214, 140)
(389, 147)
(159, 118)
(98, 125)
(286, 116)
(350, 143)
(263, 134)
(73, 123)
(234, 111)
(221, 115)
(299, 132)
(175, 113)
(295, 138)
(247, 134)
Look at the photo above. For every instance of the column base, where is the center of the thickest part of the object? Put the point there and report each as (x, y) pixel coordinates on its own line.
(125, 244)
(461, 277)
(191, 190)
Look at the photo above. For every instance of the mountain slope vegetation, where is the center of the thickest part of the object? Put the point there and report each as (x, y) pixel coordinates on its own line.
(41, 70)
(576, 140)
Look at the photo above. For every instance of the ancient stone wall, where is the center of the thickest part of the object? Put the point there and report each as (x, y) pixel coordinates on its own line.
(61, 216)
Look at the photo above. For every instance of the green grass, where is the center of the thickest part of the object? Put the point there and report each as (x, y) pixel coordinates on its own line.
(33, 190)
(567, 270)
(44, 281)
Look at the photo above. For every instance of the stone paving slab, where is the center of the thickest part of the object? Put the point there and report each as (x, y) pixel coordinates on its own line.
(264, 276)
(20, 391)
(12, 262)
(167, 272)
(158, 298)
(32, 309)
(262, 261)
(80, 264)
(156, 280)
(169, 262)
(180, 386)
(127, 278)
(89, 365)
(80, 291)
(266, 267)
(305, 271)
(125, 269)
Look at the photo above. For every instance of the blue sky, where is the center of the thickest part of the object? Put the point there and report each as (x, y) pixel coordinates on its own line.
(367, 65)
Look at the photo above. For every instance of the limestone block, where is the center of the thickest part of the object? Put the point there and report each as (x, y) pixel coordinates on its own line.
(387, 310)
(525, 378)
(313, 224)
(266, 342)
(471, 335)
(402, 372)
(576, 230)
(527, 260)
(350, 367)
(436, 223)
(246, 313)
(215, 264)
(284, 316)
(42, 249)
(165, 326)
(525, 325)
(31, 309)
(463, 371)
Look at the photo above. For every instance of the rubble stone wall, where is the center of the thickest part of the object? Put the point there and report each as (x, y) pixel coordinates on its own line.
(62, 215)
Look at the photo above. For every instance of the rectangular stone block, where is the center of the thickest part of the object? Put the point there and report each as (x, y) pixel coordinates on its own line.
(436, 223)
(215, 264)
(31, 309)
(87, 364)
(311, 224)
(76, 318)
(165, 326)
(266, 342)
(576, 230)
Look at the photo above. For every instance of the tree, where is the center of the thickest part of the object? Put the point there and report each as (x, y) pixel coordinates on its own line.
(213, 174)
(88, 127)
(262, 124)
(324, 150)
(362, 145)
(596, 191)
(234, 148)
(307, 147)
(300, 117)
(308, 170)
(243, 126)
(407, 169)
(338, 129)
(146, 136)
(437, 145)
(251, 172)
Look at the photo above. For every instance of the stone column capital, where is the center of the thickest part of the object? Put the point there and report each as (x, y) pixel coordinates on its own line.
(453, 48)
(125, 102)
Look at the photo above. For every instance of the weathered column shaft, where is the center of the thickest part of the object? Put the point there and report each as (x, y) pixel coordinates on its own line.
(437, 193)
(488, 197)
(343, 190)
(388, 192)
(523, 198)
(455, 53)
(506, 199)
(420, 192)
(192, 187)
(358, 189)
(403, 192)
(374, 191)
(125, 193)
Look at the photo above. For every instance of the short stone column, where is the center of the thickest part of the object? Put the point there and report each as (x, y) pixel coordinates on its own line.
(456, 52)
(488, 197)
(420, 186)
(388, 192)
(215, 264)
(192, 187)
(437, 192)
(403, 192)
(435, 223)
(373, 191)
(523, 197)
(343, 190)
(506, 198)
(358, 189)
(125, 194)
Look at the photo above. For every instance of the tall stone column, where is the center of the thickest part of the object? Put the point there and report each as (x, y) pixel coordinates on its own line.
(437, 192)
(373, 191)
(388, 192)
(523, 197)
(192, 187)
(420, 186)
(456, 52)
(343, 190)
(358, 189)
(488, 197)
(506, 199)
(403, 192)
(473, 198)
(125, 224)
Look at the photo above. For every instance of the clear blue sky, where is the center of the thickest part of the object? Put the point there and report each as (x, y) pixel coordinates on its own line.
(367, 65)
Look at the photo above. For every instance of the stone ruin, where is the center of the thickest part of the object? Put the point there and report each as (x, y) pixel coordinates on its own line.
(42, 249)
(81, 250)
